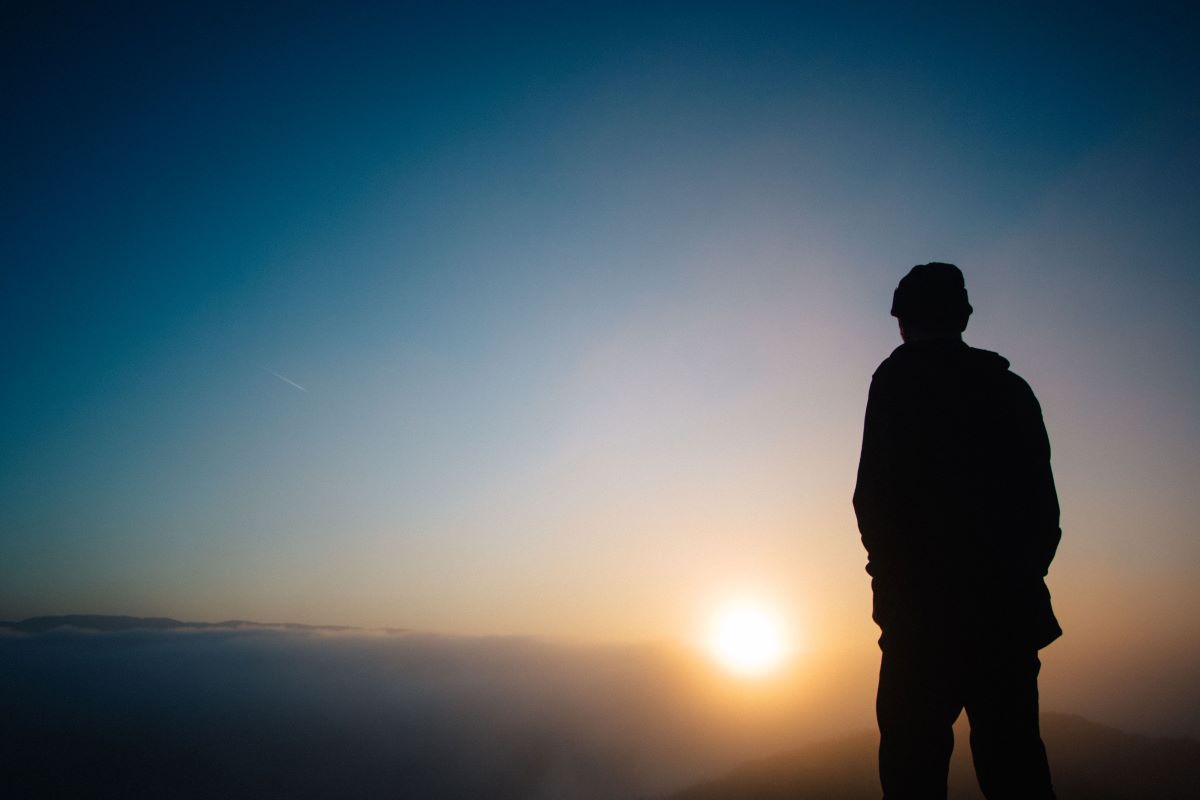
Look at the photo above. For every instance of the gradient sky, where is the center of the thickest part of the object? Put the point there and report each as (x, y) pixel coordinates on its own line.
(559, 319)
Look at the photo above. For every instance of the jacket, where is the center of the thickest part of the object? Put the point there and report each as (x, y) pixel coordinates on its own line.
(955, 498)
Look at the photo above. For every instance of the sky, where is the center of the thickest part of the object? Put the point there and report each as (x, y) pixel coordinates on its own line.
(558, 319)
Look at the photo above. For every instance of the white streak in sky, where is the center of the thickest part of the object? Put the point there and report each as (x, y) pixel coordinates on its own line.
(285, 379)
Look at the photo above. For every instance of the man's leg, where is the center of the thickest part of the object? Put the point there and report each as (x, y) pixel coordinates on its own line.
(1006, 742)
(916, 707)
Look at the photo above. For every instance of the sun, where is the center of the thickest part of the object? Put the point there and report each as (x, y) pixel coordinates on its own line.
(748, 640)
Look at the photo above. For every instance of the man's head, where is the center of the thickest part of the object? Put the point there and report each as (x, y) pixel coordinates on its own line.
(931, 302)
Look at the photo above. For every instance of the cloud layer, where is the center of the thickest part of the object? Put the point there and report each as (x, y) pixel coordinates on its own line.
(301, 714)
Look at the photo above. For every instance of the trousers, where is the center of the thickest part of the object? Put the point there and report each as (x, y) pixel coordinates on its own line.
(924, 686)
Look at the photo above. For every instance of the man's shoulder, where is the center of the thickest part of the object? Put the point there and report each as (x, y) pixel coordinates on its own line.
(921, 364)
(942, 356)
(988, 359)
(999, 367)
(896, 363)
(1007, 386)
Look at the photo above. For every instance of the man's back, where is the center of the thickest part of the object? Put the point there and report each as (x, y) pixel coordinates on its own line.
(955, 498)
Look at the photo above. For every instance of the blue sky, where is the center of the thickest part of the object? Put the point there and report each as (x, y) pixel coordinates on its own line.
(583, 301)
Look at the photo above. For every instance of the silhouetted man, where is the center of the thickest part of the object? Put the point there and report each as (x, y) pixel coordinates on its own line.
(959, 516)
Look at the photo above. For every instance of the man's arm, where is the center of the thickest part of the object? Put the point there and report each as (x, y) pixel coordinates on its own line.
(1042, 497)
(1045, 497)
(876, 494)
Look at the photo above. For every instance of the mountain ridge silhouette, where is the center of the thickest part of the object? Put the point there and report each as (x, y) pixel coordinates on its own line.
(112, 623)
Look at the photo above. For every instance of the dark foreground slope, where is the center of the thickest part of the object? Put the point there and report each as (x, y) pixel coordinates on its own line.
(1090, 762)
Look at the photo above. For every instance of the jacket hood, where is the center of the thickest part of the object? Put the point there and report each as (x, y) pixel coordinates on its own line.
(917, 354)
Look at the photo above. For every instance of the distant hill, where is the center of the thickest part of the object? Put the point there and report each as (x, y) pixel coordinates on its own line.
(1089, 762)
(114, 623)
(125, 707)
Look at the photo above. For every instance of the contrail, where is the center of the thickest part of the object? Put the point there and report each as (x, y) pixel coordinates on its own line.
(285, 379)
